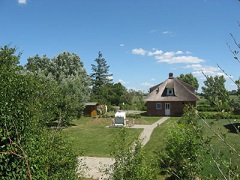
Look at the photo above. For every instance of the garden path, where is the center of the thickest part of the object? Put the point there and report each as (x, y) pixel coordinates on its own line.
(94, 165)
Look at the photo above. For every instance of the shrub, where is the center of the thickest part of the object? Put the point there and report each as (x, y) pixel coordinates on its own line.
(181, 158)
(130, 162)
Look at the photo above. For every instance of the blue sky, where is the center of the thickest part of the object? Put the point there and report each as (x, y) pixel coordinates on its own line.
(141, 40)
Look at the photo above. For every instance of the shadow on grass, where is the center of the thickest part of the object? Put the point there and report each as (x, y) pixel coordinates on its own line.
(55, 124)
(144, 114)
(233, 128)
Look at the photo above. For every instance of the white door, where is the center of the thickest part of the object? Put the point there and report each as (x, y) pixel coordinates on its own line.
(167, 109)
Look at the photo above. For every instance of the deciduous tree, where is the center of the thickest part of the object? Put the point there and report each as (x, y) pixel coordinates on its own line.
(29, 149)
(72, 82)
(214, 90)
(190, 79)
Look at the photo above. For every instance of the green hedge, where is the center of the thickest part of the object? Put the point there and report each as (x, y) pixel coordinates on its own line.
(219, 115)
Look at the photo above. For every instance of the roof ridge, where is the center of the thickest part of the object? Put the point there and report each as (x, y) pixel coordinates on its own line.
(180, 82)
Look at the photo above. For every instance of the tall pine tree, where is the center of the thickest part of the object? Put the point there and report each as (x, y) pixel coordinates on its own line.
(99, 77)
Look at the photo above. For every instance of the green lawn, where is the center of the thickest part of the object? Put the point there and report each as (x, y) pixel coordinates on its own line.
(160, 133)
(147, 120)
(220, 148)
(92, 137)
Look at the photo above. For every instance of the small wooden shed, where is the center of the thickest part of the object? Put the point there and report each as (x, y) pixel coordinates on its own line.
(91, 109)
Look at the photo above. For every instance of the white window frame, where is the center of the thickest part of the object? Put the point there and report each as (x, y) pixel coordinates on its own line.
(170, 92)
(157, 106)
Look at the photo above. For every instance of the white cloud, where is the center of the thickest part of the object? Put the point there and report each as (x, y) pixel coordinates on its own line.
(155, 52)
(22, 1)
(146, 84)
(194, 66)
(171, 59)
(199, 69)
(123, 82)
(179, 52)
(139, 51)
(168, 33)
(121, 45)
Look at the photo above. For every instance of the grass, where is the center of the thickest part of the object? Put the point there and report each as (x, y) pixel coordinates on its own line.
(222, 127)
(159, 135)
(145, 120)
(225, 129)
(92, 137)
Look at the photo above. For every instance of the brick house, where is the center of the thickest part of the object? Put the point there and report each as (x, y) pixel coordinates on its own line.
(169, 97)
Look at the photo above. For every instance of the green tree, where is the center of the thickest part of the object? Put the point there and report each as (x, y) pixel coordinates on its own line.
(72, 82)
(112, 94)
(215, 92)
(38, 63)
(133, 100)
(29, 149)
(190, 79)
(100, 76)
(8, 59)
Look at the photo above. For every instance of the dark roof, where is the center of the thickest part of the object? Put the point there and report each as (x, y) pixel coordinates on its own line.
(91, 104)
(182, 91)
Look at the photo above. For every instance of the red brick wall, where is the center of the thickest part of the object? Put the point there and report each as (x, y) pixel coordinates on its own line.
(176, 108)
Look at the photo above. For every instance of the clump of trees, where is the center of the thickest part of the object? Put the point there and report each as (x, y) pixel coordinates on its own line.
(105, 91)
(69, 80)
(28, 148)
(215, 92)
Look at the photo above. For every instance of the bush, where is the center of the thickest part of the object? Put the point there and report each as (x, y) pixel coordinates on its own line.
(29, 149)
(181, 158)
(219, 115)
(130, 162)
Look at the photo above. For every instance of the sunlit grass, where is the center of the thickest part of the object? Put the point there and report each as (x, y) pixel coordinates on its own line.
(93, 137)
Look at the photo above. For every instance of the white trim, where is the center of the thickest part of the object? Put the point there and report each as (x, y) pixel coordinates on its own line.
(170, 92)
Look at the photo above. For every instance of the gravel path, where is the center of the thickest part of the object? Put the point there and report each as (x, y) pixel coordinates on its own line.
(95, 165)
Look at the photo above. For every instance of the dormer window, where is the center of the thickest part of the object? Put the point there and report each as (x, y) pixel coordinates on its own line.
(170, 92)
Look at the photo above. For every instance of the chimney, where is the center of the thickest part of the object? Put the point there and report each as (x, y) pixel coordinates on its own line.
(170, 75)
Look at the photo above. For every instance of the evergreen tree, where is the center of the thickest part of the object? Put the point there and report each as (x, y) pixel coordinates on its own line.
(100, 76)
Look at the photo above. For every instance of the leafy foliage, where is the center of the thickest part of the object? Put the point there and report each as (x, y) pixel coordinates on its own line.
(112, 94)
(215, 92)
(130, 161)
(190, 79)
(29, 149)
(183, 154)
(71, 82)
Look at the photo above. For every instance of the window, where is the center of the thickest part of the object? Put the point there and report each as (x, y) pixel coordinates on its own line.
(159, 106)
(169, 92)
